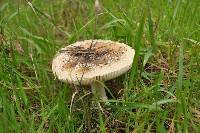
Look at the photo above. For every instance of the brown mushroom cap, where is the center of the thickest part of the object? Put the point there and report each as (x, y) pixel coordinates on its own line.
(90, 60)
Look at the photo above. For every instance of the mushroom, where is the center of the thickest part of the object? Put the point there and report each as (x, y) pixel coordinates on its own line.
(87, 62)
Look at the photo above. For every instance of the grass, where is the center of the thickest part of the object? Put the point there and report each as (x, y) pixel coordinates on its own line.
(161, 93)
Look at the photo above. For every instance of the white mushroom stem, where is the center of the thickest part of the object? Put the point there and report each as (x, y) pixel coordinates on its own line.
(98, 88)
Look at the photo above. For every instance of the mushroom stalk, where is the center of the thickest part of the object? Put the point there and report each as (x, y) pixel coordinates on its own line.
(99, 89)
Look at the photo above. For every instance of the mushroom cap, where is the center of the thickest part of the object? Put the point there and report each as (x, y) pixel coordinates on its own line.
(86, 61)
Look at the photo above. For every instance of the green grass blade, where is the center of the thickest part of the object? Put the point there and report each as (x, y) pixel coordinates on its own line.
(137, 51)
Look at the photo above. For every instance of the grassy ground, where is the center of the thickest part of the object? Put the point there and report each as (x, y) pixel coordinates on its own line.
(160, 94)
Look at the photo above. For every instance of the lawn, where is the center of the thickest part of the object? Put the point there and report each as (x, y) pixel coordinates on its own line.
(161, 92)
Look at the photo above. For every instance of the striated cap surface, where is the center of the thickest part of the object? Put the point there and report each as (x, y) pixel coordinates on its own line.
(90, 60)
